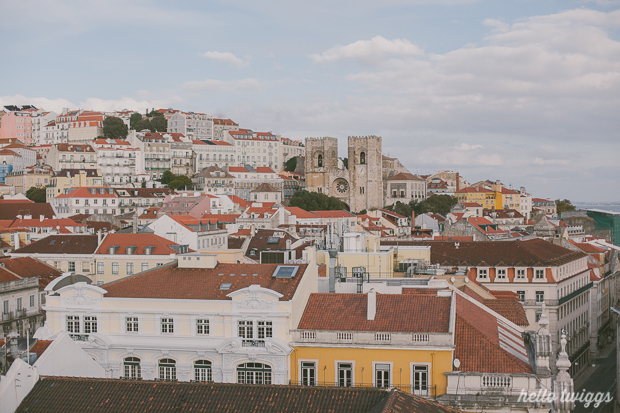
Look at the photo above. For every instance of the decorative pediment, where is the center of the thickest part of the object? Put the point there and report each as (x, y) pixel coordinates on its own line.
(81, 295)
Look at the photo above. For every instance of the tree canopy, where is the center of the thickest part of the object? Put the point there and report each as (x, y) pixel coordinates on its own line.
(291, 164)
(564, 205)
(135, 118)
(440, 204)
(114, 128)
(175, 181)
(36, 194)
(313, 201)
(159, 123)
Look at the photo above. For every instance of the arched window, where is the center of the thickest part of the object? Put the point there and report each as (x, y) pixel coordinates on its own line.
(253, 373)
(363, 158)
(167, 370)
(131, 368)
(202, 371)
(319, 161)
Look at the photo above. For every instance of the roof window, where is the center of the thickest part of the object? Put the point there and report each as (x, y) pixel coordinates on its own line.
(225, 286)
(285, 271)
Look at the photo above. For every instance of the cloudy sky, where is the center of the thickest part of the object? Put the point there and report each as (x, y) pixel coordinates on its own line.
(524, 91)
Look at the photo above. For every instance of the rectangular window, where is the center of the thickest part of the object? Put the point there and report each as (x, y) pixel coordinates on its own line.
(19, 303)
(540, 296)
(5, 307)
(265, 329)
(501, 274)
(145, 266)
(71, 266)
(131, 324)
(420, 380)
(115, 268)
(538, 315)
(100, 268)
(202, 326)
(73, 324)
(521, 295)
(90, 324)
(130, 268)
(32, 301)
(308, 373)
(246, 329)
(540, 274)
(345, 374)
(483, 273)
(167, 326)
(382, 376)
(521, 273)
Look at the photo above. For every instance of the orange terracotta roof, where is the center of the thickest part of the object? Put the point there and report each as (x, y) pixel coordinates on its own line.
(171, 282)
(334, 214)
(301, 213)
(395, 313)
(140, 241)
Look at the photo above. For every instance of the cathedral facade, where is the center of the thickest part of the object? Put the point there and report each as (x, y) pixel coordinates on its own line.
(359, 184)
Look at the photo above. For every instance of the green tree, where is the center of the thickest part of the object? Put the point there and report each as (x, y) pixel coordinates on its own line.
(440, 204)
(155, 114)
(135, 118)
(313, 201)
(291, 164)
(114, 128)
(36, 194)
(167, 177)
(159, 124)
(180, 181)
(144, 124)
(564, 205)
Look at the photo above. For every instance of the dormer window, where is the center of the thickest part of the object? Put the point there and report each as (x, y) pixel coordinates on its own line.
(149, 250)
(520, 273)
(539, 274)
(501, 273)
(483, 273)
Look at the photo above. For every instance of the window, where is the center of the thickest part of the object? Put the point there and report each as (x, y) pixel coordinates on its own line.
(73, 324)
(253, 373)
(100, 268)
(540, 296)
(19, 303)
(202, 371)
(521, 295)
(131, 368)
(539, 274)
(167, 325)
(361, 190)
(5, 307)
(245, 329)
(131, 324)
(72, 266)
(32, 300)
(167, 370)
(501, 274)
(520, 273)
(363, 158)
(483, 273)
(129, 268)
(382, 375)
(308, 373)
(319, 161)
(90, 324)
(538, 315)
(420, 380)
(202, 326)
(265, 329)
(115, 268)
(145, 266)
(345, 374)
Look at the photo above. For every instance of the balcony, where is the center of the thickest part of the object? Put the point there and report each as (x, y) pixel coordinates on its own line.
(370, 338)
(7, 316)
(253, 343)
(79, 337)
(425, 391)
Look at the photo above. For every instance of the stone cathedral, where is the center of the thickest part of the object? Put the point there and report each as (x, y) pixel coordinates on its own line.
(360, 185)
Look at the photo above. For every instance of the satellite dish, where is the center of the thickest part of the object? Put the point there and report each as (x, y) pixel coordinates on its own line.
(466, 280)
(452, 280)
(457, 363)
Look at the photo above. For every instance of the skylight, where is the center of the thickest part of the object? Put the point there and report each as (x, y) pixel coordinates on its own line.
(285, 271)
(225, 286)
(273, 240)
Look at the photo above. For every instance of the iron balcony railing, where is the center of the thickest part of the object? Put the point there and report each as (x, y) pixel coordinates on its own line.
(426, 391)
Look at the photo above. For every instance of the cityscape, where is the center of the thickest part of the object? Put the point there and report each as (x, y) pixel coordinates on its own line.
(405, 206)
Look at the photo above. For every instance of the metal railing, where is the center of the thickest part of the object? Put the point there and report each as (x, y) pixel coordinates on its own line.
(423, 391)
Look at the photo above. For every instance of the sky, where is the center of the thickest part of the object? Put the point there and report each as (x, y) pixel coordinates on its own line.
(522, 91)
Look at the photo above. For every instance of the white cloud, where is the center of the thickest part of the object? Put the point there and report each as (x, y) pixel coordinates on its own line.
(223, 86)
(225, 57)
(374, 50)
(466, 147)
(550, 162)
(57, 105)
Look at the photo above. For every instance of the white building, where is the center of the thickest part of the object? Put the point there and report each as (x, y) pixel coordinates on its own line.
(248, 178)
(219, 154)
(198, 234)
(193, 319)
(119, 162)
(257, 149)
(86, 200)
(193, 125)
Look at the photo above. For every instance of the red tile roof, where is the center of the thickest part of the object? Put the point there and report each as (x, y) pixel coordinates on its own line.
(62, 244)
(40, 346)
(140, 241)
(171, 282)
(26, 267)
(12, 210)
(301, 213)
(405, 176)
(334, 214)
(479, 345)
(89, 192)
(395, 313)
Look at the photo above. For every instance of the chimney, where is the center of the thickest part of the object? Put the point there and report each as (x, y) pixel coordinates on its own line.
(16, 246)
(135, 222)
(41, 218)
(99, 237)
(412, 219)
(333, 253)
(372, 305)
(458, 184)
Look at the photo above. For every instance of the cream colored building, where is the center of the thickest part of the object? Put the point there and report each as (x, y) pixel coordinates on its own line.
(193, 319)
(73, 178)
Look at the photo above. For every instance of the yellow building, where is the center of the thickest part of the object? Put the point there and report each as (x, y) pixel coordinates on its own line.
(31, 177)
(482, 196)
(490, 196)
(73, 178)
(381, 340)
